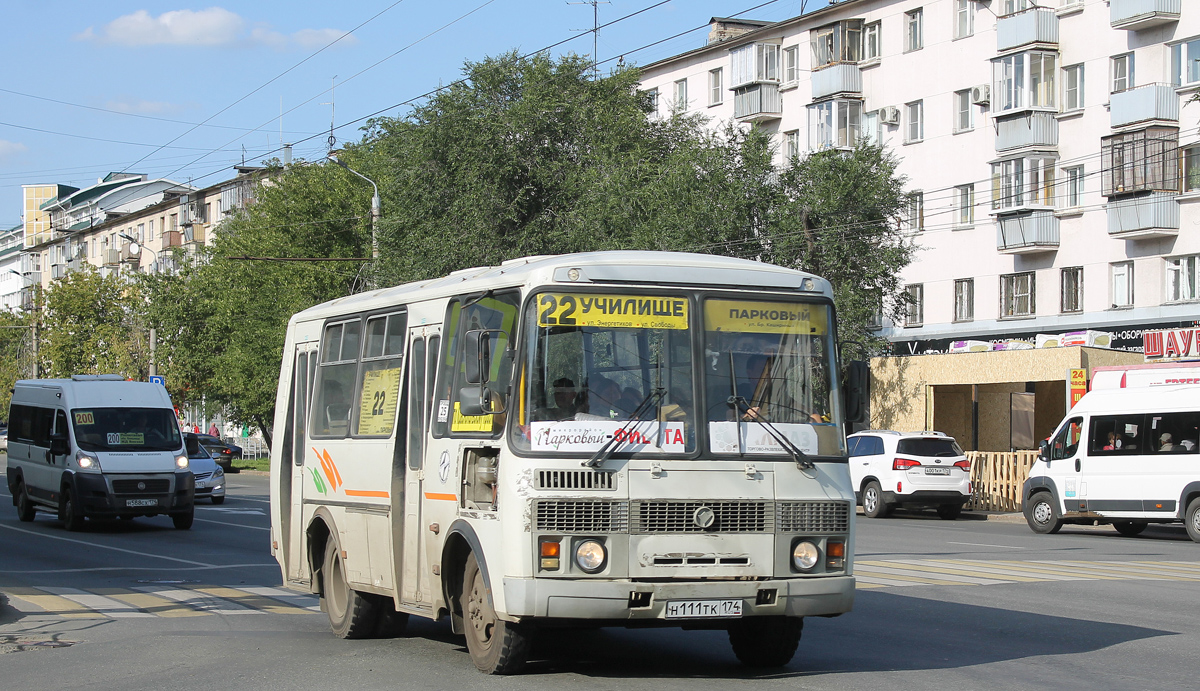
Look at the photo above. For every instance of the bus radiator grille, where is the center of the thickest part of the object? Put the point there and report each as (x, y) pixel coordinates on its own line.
(686, 517)
(147, 486)
(576, 479)
(813, 516)
(558, 516)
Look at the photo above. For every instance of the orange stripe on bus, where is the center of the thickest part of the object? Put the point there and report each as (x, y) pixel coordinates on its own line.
(441, 497)
(366, 493)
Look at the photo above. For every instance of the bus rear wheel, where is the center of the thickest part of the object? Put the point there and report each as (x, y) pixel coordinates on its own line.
(766, 641)
(496, 646)
(351, 614)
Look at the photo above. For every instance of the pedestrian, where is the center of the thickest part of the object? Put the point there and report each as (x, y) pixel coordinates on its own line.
(213, 431)
(195, 428)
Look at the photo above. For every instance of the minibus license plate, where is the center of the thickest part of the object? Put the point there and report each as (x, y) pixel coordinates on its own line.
(703, 609)
(937, 471)
(141, 502)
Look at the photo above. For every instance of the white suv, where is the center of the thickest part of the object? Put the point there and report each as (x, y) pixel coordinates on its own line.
(916, 469)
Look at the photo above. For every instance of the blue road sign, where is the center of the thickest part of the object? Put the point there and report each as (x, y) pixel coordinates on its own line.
(156, 379)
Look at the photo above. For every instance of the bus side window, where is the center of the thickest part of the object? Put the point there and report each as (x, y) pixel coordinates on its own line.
(495, 312)
(1067, 442)
(335, 380)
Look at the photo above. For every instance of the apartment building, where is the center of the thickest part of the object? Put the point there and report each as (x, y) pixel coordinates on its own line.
(1052, 148)
(11, 279)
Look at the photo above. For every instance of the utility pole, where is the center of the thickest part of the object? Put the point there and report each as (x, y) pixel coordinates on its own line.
(595, 32)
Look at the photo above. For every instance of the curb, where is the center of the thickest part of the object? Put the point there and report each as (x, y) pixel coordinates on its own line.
(968, 515)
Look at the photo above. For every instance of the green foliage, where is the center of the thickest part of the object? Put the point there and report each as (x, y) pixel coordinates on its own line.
(90, 325)
(16, 355)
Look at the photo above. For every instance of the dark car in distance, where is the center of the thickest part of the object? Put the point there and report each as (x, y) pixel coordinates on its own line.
(222, 452)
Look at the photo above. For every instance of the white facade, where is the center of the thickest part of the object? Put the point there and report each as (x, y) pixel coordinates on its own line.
(997, 110)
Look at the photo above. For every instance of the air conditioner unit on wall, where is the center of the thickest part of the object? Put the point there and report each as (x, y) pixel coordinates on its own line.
(889, 115)
(981, 95)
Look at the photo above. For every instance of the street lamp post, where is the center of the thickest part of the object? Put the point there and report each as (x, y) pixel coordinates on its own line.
(136, 247)
(376, 206)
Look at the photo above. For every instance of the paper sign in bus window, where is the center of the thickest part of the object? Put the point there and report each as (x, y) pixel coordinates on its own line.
(377, 405)
(85, 417)
(126, 439)
(747, 316)
(612, 311)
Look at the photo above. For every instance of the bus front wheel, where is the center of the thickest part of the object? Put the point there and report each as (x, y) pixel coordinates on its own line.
(351, 614)
(496, 646)
(766, 641)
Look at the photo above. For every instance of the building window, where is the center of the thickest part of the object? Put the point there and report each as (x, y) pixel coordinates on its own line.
(791, 146)
(1122, 73)
(834, 124)
(1071, 299)
(791, 65)
(1141, 161)
(150, 230)
(1185, 62)
(1191, 169)
(914, 31)
(1008, 7)
(681, 98)
(1023, 182)
(963, 114)
(716, 92)
(964, 300)
(964, 18)
(837, 43)
(914, 310)
(1073, 87)
(652, 97)
(1017, 295)
(1023, 80)
(915, 218)
(1073, 178)
(964, 202)
(872, 48)
(755, 62)
(1122, 284)
(1181, 278)
(914, 115)
(872, 131)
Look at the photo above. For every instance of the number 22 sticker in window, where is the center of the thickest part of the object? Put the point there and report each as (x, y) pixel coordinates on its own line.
(377, 405)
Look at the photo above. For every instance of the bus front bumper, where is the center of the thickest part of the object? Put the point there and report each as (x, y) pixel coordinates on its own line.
(634, 601)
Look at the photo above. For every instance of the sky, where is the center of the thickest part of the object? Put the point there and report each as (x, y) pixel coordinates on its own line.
(186, 91)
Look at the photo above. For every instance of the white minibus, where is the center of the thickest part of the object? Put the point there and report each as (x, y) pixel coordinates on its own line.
(97, 446)
(1125, 457)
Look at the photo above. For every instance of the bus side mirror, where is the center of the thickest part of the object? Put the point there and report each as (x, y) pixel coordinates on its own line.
(474, 401)
(854, 391)
(1044, 451)
(59, 445)
(477, 355)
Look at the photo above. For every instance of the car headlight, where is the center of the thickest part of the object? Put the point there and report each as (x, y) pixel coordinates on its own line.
(220, 472)
(590, 556)
(181, 462)
(805, 555)
(87, 461)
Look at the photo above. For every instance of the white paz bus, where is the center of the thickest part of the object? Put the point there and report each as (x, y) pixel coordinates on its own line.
(606, 439)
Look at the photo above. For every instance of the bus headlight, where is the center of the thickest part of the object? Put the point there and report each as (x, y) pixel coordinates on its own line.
(181, 462)
(590, 556)
(805, 555)
(87, 461)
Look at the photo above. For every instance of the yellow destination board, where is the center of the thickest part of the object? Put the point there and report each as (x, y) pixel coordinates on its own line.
(612, 311)
(747, 316)
(377, 405)
(470, 423)
(85, 417)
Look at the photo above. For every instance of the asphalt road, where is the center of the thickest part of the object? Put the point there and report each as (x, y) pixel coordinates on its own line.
(942, 605)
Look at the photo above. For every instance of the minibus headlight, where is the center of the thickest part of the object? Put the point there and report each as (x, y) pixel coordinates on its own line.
(87, 461)
(805, 555)
(590, 556)
(181, 462)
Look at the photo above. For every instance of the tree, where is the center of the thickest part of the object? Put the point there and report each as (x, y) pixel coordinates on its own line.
(16, 356)
(90, 325)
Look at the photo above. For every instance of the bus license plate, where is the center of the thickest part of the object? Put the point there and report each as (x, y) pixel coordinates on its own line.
(937, 471)
(141, 502)
(703, 609)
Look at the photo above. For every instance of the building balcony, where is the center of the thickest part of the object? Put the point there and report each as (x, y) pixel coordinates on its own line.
(1144, 103)
(194, 234)
(171, 238)
(1034, 25)
(1030, 128)
(1027, 232)
(757, 102)
(110, 257)
(1136, 15)
(843, 78)
(1153, 215)
(57, 271)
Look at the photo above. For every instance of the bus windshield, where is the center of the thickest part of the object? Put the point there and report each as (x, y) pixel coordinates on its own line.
(126, 429)
(768, 374)
(605, 365)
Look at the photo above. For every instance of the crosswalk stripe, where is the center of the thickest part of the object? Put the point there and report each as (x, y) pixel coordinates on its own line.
(53, 604)
(308, 602)
(896, 569)
(889, 574)
(1182, 567)
(157, 606)
(99, 603)
(980, 574)
(246, 599)
(1014, 571)
(1132, 572)
(198, 600)
(1041, 567)
(886, 582)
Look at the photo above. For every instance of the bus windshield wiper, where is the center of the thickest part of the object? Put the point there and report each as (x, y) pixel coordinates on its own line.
(802, 460)
(635, 418)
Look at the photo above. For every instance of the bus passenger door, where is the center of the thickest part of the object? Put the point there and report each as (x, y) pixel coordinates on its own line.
(414, 567)
(293, 518)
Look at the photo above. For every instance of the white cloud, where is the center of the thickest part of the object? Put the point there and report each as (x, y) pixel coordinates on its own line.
(214, 26)
(11, 149)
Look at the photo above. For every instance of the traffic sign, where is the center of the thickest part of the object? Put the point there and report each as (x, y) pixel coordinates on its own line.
(156, 379)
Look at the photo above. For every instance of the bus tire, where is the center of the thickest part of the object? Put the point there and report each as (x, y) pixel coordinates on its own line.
(69, 511)
(390, 623)
(1191, 519)
(351, 614)
(25, 509)
(183, 521)
(1129, 528)
(1042, 514)
(766, 641)
(496, 646)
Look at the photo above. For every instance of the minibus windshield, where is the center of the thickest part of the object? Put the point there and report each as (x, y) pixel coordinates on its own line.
(126, 429)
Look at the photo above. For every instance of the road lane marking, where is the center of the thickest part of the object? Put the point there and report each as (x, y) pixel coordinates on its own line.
(1135, 572)
(895, 569)
(917, 565)
(293, 599)
(95, 569)
(980, 544)
(235, 525)
(109, 547)
(1017, 574)
(892, 575)
(52, 604)
(246, 599)
(99, 603)
(199, 600)
(157, 606)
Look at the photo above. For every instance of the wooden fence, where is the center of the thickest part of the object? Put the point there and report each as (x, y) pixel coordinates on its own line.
(996, 479)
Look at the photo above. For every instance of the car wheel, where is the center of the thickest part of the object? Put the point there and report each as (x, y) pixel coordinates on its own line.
(218, 500)
(873, 504)
(351, 614)
(1129, 528)
(949, 512)
(1042, 514)
(25, 508)
(496, 646)
(70, 512)
(183, 521)
(1191, 519)
(765, 641)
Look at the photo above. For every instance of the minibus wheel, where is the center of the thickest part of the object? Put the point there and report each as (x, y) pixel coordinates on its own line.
(25, 509)
(69, 513)
(183, 521)
(1129, 528)
(1042, 514)
(496, 646)
(765, 641)
(351, 614)
(1192, 519)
